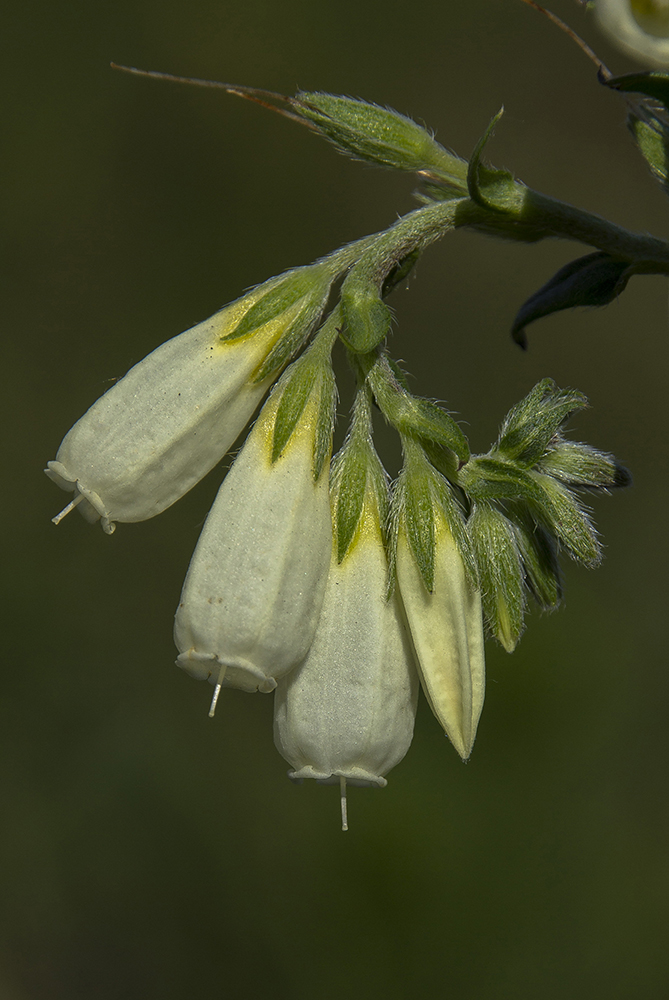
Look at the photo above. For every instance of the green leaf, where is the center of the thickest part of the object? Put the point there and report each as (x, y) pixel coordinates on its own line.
(593, 280)
(490, 187)
(655, 85)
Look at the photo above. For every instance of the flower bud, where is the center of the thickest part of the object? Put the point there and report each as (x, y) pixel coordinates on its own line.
(498, 558)
(639, 27)
(380, 135)
(163, 426)
(255, 585)
(446, 626)
(367, 318)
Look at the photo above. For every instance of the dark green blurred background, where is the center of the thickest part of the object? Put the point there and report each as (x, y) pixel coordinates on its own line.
(150, 852)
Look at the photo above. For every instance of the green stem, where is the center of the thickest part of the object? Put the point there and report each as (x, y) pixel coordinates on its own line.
(540, 217)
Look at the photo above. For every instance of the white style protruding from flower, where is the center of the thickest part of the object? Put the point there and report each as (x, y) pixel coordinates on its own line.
(346, 714)
(446, 618)
(174, 416)
(255, 585)
(639, 27)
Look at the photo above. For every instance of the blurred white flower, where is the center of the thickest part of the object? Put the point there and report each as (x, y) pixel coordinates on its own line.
(639, 27)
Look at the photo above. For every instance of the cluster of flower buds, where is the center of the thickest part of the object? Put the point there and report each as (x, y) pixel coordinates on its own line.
(318, 580)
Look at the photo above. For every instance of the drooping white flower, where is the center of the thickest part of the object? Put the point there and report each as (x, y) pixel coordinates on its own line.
(639, 27)
(255, 585)
(174, 416)
(347, 712)
(442, 606)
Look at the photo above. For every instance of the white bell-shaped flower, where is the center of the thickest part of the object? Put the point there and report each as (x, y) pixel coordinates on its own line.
(346, 714)
(639, 27)
(174, 416)
(348, 710)
(255, 585)
(446, 626)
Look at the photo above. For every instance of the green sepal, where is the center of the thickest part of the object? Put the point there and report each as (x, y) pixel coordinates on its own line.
(285, 349)
(538, 552)
(358, 480)
(593, 280)
(443, 459)
(421, 497)
(398, 373)
(414, 494)
(295, 395)
(432, 189)
(654, 85)
(280, 296)
(308, 376)
(400, 272)
(367, 318)
(554, 506)
(350, 499)
(490, 187)
(652, 138)
(327, 399)
(295, 334)
(414, 415)
(500, 573)
(486, 479)
(377, 135)
(452, 514)
(566, 517)
(579, 465)
(530, 426)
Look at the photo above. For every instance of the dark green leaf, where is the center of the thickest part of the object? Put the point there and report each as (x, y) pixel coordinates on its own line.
(593, 280)
(655, 85)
